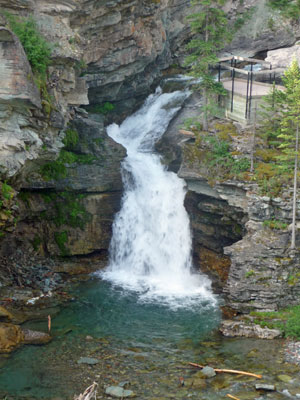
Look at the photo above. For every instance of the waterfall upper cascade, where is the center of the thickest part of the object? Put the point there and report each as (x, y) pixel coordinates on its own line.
(150, 251)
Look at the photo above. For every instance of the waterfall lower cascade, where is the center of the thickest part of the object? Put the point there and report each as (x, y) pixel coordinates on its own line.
(150, 251)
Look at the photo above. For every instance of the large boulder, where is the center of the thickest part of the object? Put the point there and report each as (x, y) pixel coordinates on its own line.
(11, 336)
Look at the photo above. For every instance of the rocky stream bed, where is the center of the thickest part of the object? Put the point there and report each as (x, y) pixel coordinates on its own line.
(104, 334)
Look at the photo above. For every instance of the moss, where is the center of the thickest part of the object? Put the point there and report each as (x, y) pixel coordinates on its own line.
(36, 242)
(7, 191)
(71, 139)
(67, 209)
(61, 238)
(250, 273)
(275, 224)
(287, 320)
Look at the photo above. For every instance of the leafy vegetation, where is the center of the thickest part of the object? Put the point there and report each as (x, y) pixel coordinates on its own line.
(38, 51)
(275, 224)
(61, 238)
(57, 169)
(103, 109)
(287, 320)
(213, 155)
(288, 8)
(67, 209)
(210, 26)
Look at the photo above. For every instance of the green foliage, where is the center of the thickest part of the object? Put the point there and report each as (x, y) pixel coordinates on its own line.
(103, 109)
(7, 191)
(275, 224)
(250, 273)
(71, 139)
(54, 170)
(61, 238)
(287, 320)
(288, 8)
(243, 18)
(210, 27)
(36, 242)
(68, 209)
(37, 49)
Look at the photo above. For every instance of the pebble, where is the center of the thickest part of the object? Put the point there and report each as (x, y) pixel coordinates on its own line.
(208, 372)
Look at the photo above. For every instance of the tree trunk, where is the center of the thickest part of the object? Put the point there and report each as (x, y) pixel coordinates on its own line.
(205, 98)
(293, 241)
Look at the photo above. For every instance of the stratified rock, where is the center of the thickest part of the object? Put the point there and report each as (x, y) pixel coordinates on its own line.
(282, 58)
(264, 386)
(11, 336)
(88, 360)
(117, 391)
(35, 337)
(238, 328)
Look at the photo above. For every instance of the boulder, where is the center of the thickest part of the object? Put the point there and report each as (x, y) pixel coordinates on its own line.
(11, 336)
(238, 328)
(35, 337)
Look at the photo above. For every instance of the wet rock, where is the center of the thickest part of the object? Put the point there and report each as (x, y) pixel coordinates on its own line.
(117, 391)
(35, 337)
(89, 338)
(237, 328)
(208, 372)
(284, 378)
(5, 314)
(11, 336)
(199, 383)
(87, 360)
(263, 386)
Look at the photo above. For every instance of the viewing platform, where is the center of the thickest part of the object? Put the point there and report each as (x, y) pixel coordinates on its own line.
(244, 94)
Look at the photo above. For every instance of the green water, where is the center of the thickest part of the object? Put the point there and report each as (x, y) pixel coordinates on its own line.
(148, 345)
(129, 337)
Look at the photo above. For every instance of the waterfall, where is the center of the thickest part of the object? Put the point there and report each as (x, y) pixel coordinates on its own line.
(150, 250)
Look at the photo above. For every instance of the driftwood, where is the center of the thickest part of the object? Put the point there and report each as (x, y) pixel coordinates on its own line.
(232, 397)
(89, 393)
(229, 371)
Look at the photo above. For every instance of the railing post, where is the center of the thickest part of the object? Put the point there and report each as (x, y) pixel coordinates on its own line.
(232, 89)
(247, 95)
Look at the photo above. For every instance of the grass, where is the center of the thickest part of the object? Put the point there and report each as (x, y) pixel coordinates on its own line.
(287, 320)
(61, 238)
(37, 49)
(275, 224)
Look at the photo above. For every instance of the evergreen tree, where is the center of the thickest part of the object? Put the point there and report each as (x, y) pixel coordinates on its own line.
(290, 131)
(210, 27)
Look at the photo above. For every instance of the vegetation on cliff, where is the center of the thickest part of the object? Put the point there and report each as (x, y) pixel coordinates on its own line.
(210, 26)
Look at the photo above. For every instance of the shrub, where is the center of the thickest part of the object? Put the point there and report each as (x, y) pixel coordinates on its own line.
(36, 48)
(104, 109)
(275, 224)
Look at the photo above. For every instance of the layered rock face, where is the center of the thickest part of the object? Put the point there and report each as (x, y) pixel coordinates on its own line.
(102, 51)
(248, 261)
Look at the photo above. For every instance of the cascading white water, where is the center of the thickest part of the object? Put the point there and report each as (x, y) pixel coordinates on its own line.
(150, 250)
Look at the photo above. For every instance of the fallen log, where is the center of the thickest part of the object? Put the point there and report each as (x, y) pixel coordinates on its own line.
(229, 371)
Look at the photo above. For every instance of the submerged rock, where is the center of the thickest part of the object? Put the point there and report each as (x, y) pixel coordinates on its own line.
(11, 336)
(87, 360)
(117, 391)
(208, 372)
(35, 337)
(263, 386)
(238, 328)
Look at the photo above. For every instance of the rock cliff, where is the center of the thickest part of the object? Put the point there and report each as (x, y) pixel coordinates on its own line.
(248, 259)
(60, 172)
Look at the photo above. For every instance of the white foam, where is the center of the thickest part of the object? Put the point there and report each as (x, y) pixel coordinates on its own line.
(150, 251)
